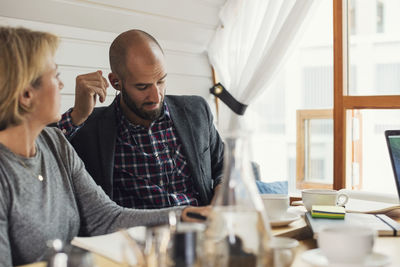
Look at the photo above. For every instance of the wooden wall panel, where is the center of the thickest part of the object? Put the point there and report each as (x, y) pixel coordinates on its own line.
(109, 18)
(183, 28)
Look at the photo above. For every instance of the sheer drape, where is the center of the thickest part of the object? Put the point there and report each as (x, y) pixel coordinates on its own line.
(248, 49)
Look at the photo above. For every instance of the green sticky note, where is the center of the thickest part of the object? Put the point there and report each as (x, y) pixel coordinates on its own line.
(332, 212)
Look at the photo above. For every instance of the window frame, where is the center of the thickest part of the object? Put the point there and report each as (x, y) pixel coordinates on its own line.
(302, 117)
(342, 102)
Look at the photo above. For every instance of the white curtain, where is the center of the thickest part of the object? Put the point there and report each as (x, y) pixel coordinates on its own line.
(249, 47)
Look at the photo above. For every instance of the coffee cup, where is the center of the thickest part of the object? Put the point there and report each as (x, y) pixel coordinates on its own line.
(346, 244)
(326, 197)
(276, 205)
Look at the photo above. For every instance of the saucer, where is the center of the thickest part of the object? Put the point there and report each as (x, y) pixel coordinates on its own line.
(288, 218)
(316, 258)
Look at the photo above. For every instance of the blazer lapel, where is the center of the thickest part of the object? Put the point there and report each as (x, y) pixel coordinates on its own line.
(107, 131)
(185, 131)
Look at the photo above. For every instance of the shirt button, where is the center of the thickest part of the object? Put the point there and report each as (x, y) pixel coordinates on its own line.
(64, 131)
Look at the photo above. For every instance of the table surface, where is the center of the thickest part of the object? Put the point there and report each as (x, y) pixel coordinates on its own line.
(299, 230)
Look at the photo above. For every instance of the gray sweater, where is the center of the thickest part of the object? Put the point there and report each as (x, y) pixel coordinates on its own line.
(66, 203)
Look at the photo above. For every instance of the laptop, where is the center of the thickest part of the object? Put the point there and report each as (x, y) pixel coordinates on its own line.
(393, 143)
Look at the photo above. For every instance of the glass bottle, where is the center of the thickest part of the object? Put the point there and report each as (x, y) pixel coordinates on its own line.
(238, 231)
(57, 257)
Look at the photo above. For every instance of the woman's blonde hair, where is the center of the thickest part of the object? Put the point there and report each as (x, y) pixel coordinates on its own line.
(23, 56)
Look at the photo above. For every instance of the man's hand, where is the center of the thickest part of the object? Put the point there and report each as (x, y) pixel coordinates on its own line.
(88, 87)
(195, 214)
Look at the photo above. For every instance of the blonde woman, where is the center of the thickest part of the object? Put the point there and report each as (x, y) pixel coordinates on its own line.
(45, 191)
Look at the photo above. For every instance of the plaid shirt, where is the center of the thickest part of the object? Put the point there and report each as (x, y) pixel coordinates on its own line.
(150, 169)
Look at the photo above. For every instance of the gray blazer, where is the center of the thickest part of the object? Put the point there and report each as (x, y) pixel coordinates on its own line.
(193, 120)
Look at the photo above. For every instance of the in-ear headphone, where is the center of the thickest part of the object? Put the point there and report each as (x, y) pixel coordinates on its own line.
(116, 83)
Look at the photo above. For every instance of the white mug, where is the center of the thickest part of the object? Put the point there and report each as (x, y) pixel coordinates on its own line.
(346, 244)
(327, 197)
(276, 205)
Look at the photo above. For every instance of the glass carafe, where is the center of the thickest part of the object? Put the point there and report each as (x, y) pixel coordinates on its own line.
(238, 230)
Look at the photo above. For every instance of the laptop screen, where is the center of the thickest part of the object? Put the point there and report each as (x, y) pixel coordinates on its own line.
(393, 142)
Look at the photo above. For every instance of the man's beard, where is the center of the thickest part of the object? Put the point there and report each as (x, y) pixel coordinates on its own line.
(146, 115)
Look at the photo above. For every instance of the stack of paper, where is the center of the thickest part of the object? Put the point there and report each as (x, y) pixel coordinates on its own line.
(368, 202)
(331, 212)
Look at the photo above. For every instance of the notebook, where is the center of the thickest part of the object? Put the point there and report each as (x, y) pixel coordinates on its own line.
(384, 225)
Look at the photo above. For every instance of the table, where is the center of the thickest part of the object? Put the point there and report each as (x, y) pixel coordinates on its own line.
(99, 260)
(299, 230)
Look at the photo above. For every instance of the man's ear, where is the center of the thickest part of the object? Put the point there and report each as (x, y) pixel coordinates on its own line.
(115, 81)
(26, 97)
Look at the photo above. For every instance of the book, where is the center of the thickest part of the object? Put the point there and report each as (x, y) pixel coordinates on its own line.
(332, 212)
(383, 225)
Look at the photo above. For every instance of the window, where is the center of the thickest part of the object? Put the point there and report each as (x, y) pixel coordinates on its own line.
(357, 78)
(380, 16)
(304, 83)
(352, 18)
(373, 54)
(387, 79)
(317, 86)
(363, 109)
(314, 151)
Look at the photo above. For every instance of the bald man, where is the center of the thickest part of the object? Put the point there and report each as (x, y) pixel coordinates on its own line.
(147, 149)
